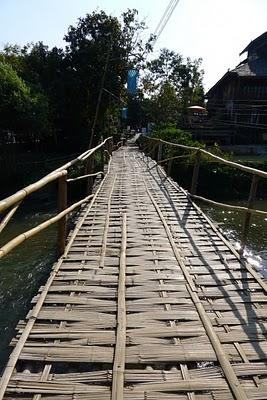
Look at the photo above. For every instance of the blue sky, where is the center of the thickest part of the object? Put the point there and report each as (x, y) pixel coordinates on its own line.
(215, 30)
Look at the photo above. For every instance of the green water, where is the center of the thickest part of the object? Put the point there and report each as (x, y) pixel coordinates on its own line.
(22, 272)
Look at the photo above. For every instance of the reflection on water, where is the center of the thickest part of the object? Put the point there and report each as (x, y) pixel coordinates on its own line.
(22, 272)
(231, 224)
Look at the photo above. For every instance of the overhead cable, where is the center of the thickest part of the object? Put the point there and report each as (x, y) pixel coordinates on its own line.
(164, 19)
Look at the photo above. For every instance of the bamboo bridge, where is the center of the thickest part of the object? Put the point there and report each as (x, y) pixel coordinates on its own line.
(148, 300)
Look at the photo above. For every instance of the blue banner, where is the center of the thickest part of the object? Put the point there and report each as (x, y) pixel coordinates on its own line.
(132, 81)
(124, 113)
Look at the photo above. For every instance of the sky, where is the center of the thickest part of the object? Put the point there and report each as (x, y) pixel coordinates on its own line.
(215, 30)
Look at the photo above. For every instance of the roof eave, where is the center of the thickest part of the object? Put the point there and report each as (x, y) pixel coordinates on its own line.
(227, 74)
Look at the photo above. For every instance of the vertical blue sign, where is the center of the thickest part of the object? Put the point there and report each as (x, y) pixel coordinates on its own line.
(132, 81)
(124, 113)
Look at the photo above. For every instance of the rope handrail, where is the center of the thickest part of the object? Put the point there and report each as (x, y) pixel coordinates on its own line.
(233, 164)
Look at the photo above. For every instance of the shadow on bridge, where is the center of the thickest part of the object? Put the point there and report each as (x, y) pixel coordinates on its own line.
(251, 322)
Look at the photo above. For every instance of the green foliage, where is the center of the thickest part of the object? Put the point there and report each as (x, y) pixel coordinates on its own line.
(165, 106)
(170, 133)
(172, 84)
(21, 109)
(57, 90)
(54, 93)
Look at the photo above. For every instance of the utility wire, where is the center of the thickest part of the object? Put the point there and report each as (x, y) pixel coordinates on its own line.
(164, 19)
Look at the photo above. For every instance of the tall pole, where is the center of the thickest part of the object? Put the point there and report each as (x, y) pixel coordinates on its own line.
(99, 99)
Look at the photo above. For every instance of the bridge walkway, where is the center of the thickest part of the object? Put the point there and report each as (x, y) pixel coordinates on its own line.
(149, 301)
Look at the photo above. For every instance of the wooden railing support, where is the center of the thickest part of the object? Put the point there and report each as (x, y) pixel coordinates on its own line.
(159, 155)
(195, 173)
(89, 169)
(102, 158)
(154, 151)
(62, 205)
(110, 146)
(247, 218)
(169, 167)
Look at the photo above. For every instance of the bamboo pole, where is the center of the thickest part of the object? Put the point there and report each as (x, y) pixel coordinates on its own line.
(195, 173)
(222, 357)
(35, 312)
(8, 217)
(247, 218)
(229, 206)
(62, 205)
(250, 269)
(102, 159)
(89, 170)
(173, 158)
(219, 159)
(169, 167)
(106, 227)
(39, 228)
(110, 146)
(82, 157)
(159, 155)
(84, 176)
(21, 194)
(120, 346)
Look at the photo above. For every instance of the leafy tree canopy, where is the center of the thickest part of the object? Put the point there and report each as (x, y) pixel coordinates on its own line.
(172, 84)
(21, 110)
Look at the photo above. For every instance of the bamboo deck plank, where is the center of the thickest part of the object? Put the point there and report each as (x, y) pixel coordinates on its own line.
(122, 316)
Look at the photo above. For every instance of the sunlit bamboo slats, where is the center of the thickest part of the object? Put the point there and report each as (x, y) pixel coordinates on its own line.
(149, 301)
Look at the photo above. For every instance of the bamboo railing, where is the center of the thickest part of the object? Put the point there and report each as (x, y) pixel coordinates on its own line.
(11, 204)
(155, 146)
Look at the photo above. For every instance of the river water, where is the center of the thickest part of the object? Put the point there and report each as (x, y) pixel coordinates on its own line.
(27, 268)
(22, 272)
(231, 223)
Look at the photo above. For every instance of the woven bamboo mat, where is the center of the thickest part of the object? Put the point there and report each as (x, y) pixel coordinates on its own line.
(150, 302)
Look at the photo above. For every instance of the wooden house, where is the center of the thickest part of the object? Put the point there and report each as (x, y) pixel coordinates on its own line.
(238, 101)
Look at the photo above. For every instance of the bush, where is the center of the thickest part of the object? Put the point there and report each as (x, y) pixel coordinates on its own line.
(174, 135)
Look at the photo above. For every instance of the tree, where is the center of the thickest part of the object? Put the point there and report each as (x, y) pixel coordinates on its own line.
(21, 111)
(100, 51)
(165, 105)
(173, 84)
(64, 86)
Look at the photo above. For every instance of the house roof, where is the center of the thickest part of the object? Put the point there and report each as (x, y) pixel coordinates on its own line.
(223, 78)
(248, 68)
(251, 67)
(257, 67)
(255, 43)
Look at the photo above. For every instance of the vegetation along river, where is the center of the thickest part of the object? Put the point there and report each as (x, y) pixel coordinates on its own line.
(24, 270)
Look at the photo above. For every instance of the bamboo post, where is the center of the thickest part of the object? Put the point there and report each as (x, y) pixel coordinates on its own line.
(89, 169)
(110, 146)
(169, 167)
(159, 155)
(155, 151)
(195, 173)
(247, 218)
(102, 159)
(62, 205)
